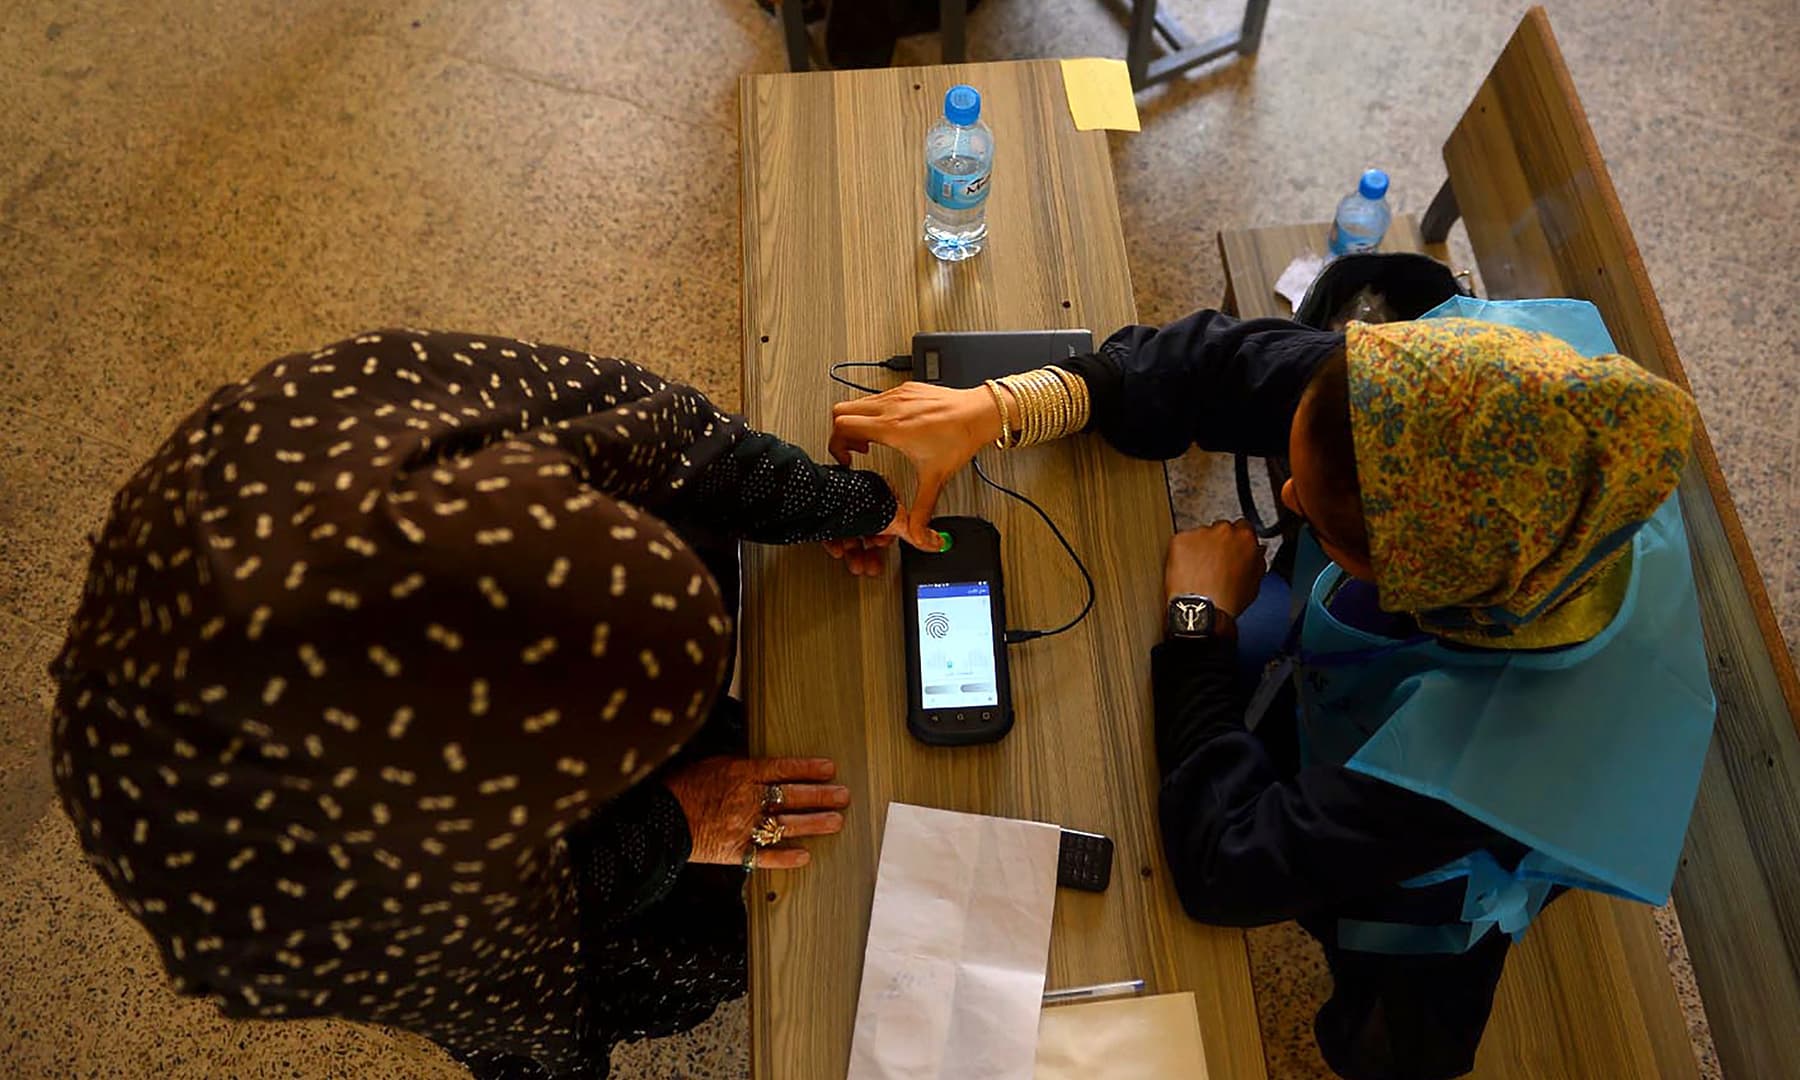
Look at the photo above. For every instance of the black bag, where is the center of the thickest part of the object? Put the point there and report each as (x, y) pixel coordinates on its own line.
(1406, 286)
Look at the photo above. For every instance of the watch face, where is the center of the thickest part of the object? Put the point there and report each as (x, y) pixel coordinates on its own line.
(1190, 616)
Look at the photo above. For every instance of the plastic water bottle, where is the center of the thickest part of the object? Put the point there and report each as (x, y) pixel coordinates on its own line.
(1362, 217)
(959, 159)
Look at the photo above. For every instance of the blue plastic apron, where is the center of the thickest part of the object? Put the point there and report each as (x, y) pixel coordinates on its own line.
(1588, 755)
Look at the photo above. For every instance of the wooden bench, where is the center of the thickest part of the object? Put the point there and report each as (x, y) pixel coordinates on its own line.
(1589, 992)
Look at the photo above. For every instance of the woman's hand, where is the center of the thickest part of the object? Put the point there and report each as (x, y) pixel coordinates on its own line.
(1222, 562)
(867, 555)
(725, 798)
(939, 429)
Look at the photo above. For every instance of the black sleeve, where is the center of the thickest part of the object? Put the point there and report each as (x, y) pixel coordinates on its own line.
(1208, 380)
(1247, 846)
(628, 855)
(769, 491)
(624, 430)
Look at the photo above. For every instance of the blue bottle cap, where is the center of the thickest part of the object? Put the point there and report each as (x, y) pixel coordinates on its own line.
(962, 105)
(1374, 184)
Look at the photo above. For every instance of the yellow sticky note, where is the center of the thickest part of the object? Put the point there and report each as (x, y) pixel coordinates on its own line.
(1100, 94)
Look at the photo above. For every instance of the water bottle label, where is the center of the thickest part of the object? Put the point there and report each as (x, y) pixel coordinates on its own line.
(955, 192)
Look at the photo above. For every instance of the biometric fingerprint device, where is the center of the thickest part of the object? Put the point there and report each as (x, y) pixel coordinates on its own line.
(957, 687)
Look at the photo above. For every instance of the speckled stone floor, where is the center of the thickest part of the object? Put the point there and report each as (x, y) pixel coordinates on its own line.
(190, 187)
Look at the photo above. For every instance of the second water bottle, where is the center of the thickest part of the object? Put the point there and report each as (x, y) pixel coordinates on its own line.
(1362, 217)
(959, 161)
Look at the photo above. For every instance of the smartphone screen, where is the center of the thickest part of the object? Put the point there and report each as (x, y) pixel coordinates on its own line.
(956, 646)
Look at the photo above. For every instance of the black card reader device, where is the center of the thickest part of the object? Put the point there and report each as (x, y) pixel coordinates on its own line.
(967, 358)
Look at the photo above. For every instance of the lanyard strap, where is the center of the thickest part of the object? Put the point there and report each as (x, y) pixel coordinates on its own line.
(1281, 668)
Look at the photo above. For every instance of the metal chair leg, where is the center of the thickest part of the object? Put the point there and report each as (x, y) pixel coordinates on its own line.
(1137, 50)
(952, 31)
(793, 29)
(1256, 12)
(1434, 228)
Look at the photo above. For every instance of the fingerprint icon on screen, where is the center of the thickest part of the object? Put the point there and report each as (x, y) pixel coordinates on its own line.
(937, 624)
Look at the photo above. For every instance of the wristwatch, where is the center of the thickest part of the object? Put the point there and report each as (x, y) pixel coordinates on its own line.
(1192, 616)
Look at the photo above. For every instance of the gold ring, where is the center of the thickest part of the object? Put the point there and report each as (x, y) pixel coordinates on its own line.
(768, 832)
(773, 796)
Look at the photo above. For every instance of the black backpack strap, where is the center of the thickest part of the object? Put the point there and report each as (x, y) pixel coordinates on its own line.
(1247, 500)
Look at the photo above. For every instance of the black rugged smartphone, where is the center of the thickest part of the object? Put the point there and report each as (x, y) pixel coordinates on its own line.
(1084, 861)
(957, 690)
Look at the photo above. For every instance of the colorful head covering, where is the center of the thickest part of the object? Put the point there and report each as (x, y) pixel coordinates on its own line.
(1503, 475)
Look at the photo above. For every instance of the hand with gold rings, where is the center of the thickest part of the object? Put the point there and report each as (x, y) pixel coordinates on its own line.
(749, 811)
(768, 832)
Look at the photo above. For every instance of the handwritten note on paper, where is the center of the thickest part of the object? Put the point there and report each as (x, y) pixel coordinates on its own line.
(1123, 1039)
(953, 973)
(1100, 94)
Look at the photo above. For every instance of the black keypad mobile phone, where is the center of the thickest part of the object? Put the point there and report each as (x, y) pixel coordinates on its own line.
(1084, 861)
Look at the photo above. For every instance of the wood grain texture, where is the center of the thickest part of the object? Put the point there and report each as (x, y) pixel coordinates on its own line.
(1587, 993)
(834, 269)
(1544, 220)
(1255, 258)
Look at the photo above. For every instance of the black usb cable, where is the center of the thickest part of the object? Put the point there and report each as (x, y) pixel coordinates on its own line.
(1015, 637)
(903, 362)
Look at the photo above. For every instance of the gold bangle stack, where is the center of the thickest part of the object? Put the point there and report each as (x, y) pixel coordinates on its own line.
(1053, 403)
(1005, 421)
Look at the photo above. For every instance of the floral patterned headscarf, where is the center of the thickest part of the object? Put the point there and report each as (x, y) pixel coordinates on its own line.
(1503, 475)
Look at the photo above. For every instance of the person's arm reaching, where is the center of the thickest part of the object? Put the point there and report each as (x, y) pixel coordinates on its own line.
(1207, 380)
(634, 435)
(772, 492)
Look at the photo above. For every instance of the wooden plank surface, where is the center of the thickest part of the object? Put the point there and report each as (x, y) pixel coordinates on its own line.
(1544, 220)
(1255, 258)
(834, 269)
(1588, 991)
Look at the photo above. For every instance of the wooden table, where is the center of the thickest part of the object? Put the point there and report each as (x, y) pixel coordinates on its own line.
(833, 270)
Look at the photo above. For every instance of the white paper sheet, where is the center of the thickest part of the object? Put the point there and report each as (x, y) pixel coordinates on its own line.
(953, 973)
(1298, 277)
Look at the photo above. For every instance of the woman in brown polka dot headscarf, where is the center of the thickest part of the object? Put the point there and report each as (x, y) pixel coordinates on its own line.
(394, 695)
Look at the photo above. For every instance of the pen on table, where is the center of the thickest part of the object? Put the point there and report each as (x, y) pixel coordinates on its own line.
(1088, 993)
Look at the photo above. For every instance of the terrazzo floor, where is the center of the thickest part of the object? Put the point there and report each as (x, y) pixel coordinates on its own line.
(190, 187)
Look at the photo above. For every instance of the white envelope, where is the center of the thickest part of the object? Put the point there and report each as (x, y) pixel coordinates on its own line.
(1139, 1038)
(953, 973)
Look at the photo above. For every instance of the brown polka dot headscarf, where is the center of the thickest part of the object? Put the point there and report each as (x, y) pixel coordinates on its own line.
(360, 643)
